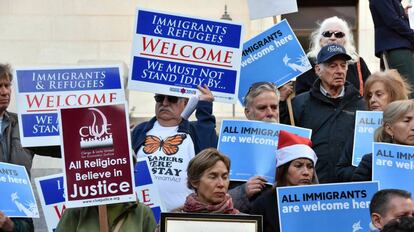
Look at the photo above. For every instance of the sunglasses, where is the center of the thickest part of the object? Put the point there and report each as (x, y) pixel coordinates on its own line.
(328, 34)
(160, 98)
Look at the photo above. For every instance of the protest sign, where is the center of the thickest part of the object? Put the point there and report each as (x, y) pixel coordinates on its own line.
(393, 165)
(366, 122)
(147, 192)
(52, 198)
(17, 198)
(96, 151)
(338, 207)
(274, 56)
(267, 8)
(41, 91)
(172, 54)
(251, 146)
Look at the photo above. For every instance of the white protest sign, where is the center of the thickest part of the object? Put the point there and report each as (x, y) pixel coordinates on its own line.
(267, 8)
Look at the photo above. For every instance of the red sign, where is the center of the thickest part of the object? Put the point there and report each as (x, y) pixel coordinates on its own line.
(96, 151)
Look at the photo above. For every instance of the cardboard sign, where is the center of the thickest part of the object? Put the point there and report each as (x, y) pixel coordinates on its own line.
(147, 192)
(267, 8)
(172, 54)
(96, 152)
(41, 91)
(366, 122)
(340, 207)
(52, 198)
(272, 56)
(393, 166)
(251, 147)
(17, 198)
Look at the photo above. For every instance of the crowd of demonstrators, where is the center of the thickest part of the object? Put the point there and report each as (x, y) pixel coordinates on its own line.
(389, 204)
(169, 139)
(394, 38)
(397, 127)
(193, 177)
(295, 166)
(333, 30)
(329, 109)
(208, 176)
(381, 88)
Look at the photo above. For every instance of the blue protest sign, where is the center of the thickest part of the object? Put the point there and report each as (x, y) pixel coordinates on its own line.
(393, 165)
(274, 56)
(366, 122)
(172, 54)
(251, 146)
(41, 91)
(340, 207)
(147, 192)
(52, 198)
(17, 199)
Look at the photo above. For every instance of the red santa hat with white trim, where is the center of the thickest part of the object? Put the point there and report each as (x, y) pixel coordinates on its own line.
(291, 147)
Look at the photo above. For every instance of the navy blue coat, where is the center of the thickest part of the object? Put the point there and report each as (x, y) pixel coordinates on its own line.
(202, 132)
(392, 29)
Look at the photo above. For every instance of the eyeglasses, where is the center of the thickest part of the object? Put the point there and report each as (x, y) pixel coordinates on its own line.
(328, 34)
(160, 98)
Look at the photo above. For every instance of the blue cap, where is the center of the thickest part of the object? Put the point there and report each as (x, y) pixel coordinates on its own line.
(330, 51)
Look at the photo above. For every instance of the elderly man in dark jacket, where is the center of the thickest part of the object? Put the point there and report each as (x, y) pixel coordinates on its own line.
(329, 109)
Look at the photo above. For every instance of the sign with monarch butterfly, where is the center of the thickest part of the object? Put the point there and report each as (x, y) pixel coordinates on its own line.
(96, 151)
(251, 147)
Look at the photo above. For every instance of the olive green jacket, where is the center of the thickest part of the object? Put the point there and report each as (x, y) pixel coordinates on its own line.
(136, 217)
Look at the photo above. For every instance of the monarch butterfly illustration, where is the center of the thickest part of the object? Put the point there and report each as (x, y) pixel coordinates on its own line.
(169, 146)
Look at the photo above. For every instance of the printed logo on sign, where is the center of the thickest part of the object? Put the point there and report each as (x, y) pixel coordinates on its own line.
(96, 135)
(182, 90)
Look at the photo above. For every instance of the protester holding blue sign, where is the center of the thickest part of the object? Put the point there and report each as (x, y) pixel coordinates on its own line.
(381, 88)
(329, 109)
(261, 104)
(334, 30)
(397, 127)
(170, 142)
(11, 150)
(295, 166)
(389, 204)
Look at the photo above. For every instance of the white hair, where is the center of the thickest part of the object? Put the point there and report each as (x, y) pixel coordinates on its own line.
(316, 36)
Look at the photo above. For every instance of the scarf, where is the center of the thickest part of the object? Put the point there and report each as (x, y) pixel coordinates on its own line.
(193, 205)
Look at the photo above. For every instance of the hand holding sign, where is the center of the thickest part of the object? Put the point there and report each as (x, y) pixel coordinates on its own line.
(6, 224)
(206, 94)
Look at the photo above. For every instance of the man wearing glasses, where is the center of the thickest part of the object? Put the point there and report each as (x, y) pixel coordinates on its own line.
(329, 109)
(170, 142)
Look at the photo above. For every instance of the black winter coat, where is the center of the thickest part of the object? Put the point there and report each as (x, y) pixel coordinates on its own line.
(332, 122)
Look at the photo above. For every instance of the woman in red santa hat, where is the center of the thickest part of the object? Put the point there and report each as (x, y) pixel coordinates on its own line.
(295, 166)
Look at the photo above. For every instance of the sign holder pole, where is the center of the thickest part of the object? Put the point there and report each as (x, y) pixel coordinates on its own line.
(103, 218)
(289, 99)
